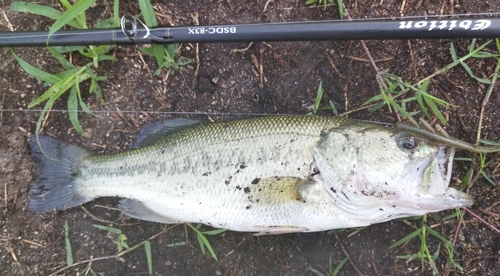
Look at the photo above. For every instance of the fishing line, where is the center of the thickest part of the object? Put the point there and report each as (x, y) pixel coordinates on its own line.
(144, 111)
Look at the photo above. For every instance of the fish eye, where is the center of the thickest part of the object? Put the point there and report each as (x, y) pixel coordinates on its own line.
(408, 142)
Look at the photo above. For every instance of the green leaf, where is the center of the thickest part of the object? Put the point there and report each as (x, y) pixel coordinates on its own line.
(61, 59)
(69, 251)
(73, 109)
(491, 143)
(41, 10)
(341, 8)
(214, 232)
(434, 109)
(107, 228)
(203, 241)
(407, 238)
(469, 71)
(453, 52)
(465, 180)
(148, 13)
(70, 14)
(419, 98)
(488, 178)
(340, 265)
(412, 256)
(35, 72)
(147, 50)
(441, 238)
(116, 13)
(319, 96)
(149, 256)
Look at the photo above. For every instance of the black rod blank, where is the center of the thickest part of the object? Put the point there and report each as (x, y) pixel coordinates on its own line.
(293, 31)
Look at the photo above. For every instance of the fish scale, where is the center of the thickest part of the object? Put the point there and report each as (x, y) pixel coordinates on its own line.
(274, 174)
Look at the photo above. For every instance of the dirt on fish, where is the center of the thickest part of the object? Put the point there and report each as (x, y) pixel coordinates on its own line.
(220, 84)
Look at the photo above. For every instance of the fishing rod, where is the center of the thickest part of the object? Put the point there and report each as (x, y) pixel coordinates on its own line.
(132, 31)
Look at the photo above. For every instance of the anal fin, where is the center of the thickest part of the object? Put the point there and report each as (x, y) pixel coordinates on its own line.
(276, 230)
(139, 210)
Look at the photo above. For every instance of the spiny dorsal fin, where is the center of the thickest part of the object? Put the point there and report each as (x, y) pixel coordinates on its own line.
(154, 131)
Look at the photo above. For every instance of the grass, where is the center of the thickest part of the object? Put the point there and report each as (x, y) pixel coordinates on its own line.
(317, 104)
(429, 105)
(333, 271)
(69, 80)
(397, 88)
(338, 3)
(122, 247)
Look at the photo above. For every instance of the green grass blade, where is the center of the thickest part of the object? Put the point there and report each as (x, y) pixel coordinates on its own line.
(340, 265)
(491, 143)
(107, 228)
(35, 72)
(469, 71)
(41, 10)
(466, 179)
(407, 238)
(412, 256)
(69, 251)
(80, 18)
(73, 109)
(150, 19)
(434, 109)
(61, 59)
(201, 242)
(71, 14)
(437, 235)
(313, 270)
(116, 13)
(488, 178)
(341, 8)
(214, 232)
(319, 96)
(419, 97)
(149, 256)
(453, 52)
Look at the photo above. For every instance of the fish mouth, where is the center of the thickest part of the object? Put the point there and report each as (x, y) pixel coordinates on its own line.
(437, 177)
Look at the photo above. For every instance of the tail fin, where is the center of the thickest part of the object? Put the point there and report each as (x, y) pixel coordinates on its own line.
(57, 166)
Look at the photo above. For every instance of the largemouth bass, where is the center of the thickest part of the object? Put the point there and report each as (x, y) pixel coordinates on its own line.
(269, 175)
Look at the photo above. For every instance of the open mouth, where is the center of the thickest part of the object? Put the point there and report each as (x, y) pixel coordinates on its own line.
(438, 173)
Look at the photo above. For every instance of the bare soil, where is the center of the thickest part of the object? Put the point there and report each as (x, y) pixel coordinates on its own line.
(230, 84)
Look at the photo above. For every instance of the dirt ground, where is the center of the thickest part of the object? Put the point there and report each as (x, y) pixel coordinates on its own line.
(229, 85)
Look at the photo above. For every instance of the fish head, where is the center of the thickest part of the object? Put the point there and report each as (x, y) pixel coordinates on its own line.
(380, 173)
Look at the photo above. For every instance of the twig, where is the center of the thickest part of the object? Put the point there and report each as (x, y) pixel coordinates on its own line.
(196, 20)
(330, 60)
(261, 66)
(379, 76)
(482, 220)
(267, 3)
(242, 50)
(347, 255)
(8, 22)
(485, 101)
(116, 256)
(105, 220)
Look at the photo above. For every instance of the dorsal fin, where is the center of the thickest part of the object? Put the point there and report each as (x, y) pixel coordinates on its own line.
(152, 132)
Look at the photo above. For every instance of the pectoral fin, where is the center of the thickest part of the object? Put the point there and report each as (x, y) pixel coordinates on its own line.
(278, 190)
